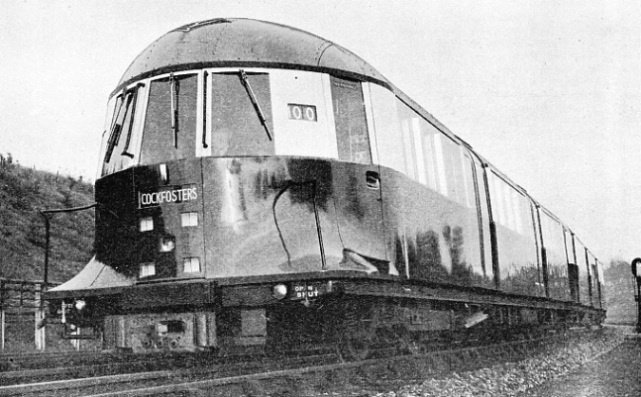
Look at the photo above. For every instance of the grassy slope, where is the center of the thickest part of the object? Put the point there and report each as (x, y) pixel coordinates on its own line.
(23, 192)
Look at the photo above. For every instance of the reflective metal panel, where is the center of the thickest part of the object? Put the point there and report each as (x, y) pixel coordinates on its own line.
(286, 215)
(436, 239)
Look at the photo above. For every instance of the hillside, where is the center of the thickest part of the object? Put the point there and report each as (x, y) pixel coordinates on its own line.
(25, 191)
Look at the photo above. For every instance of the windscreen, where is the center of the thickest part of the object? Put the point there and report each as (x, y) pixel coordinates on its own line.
(170, 123)
(241, 115)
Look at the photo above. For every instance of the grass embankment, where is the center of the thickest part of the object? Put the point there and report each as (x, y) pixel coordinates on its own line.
(25, 191)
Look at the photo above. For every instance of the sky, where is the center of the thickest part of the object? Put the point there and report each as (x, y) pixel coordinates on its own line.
(547, 91)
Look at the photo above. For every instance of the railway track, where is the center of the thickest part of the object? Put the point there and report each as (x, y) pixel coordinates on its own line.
(210, 378)
(18, 361)
(52, 368)
(123, 383)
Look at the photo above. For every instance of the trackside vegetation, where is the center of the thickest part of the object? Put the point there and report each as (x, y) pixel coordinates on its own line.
(24, 192)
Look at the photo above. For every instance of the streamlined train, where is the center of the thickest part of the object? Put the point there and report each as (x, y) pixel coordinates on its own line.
(263, 188)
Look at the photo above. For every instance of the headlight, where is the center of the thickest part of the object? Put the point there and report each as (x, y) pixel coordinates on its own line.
(80, 304)
(279, 291)
(167, 244)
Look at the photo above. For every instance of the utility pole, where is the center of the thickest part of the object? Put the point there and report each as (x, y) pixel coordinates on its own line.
(45, 215)
(636, 272)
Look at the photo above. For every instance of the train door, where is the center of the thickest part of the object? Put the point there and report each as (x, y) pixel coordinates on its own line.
(322, 116)
(360, 221)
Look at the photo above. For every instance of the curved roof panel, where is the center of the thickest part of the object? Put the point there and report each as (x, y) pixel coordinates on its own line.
(245, 42)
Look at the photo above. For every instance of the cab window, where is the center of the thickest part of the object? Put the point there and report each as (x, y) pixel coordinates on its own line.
(117, 152)
(170, 123)
(241, 115)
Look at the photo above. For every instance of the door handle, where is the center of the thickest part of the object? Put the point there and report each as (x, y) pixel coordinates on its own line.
(373, 180)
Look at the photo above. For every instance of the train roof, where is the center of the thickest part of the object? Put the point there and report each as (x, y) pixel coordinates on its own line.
(229, 42)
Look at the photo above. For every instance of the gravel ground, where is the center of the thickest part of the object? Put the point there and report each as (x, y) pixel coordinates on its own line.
(615, 374)
(596, 365)
(595, 368)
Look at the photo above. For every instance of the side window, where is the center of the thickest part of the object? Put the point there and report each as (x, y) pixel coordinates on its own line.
(429, 154)
(116, 151)
(385, 113)
(584, 271)
(239, 101)
(433, 159)
(511, 209)
(553, 238)
(351, 124)
(422, 152)
(520, 212)
(497, 198)
(170, 125)
(569, 246)
(409, 148)
(468, 179)
(456, 173)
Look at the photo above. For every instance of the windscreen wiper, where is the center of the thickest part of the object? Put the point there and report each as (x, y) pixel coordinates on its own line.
(252, 96)
(131, 111)
(114, 133)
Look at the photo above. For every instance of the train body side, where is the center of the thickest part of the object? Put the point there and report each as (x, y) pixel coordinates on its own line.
(194, 245)
(222, 219)
(227, 169)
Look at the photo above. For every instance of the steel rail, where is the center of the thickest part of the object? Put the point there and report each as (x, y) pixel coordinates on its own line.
(448, 357)
(72, 386)
(209, 383)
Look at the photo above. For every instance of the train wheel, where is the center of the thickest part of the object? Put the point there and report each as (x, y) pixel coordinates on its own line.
(408, 343)
(412, 345)
(359, 332)
(357, 341)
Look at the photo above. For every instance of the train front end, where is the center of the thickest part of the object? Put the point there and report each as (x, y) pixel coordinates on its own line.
(236, 186)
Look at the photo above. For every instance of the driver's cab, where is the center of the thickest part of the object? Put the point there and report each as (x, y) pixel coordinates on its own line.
(236, 112)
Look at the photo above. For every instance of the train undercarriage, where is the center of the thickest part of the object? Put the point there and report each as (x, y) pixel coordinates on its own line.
(356, 317)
